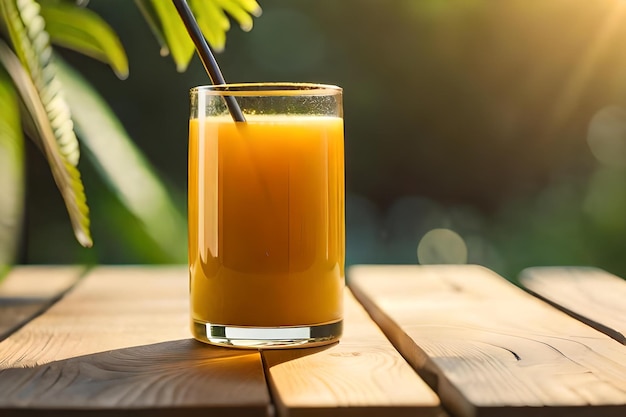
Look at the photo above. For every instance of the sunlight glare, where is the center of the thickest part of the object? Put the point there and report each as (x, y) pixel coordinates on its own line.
(600, 44)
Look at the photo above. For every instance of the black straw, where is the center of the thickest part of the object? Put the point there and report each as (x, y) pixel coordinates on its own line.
(206, 56)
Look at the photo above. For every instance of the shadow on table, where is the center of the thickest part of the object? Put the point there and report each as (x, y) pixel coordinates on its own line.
(158, 379)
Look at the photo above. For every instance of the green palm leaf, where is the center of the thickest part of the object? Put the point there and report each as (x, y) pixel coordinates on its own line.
(123, 167)
(175, 34)
(84, 31)
(11, 173)
(151, 17)
(212, 17)
(32, 45)
(34, 76)
(213, 22)
(241, 10)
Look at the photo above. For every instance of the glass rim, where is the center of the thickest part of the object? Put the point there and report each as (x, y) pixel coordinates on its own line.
(268, 89)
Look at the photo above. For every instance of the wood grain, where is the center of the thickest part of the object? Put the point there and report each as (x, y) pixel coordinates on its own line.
(119, 343)
(591, 295)
(490, 349)
(362, 375)
(28, 290)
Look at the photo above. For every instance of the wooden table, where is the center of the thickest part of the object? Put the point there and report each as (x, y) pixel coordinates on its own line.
(455, 341)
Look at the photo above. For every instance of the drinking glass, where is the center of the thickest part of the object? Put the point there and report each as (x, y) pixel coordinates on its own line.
(266, 215)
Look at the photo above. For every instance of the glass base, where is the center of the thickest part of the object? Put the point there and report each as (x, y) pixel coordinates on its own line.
(267, 337)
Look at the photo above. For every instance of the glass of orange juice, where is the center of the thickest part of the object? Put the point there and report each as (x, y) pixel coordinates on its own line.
(266, 215)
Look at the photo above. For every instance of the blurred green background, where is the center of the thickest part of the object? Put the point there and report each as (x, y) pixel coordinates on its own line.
(480, 131)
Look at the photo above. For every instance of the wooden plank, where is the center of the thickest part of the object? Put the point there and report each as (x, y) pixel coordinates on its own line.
(119, 343)
(591, 295)
(490, 349)
(362, 375)
(28, 290)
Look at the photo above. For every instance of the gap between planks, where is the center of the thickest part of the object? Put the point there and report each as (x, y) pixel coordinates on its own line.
(27, 291)
(591, 295)
(363, 375)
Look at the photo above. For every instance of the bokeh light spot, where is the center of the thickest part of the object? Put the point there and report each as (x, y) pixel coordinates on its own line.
(442, 246)
(607, 136)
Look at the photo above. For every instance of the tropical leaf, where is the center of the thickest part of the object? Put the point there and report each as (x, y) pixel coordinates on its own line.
(212, 17)
(241, 10)
(66, 175)
(123, 167)
(84, 31)
(11, 173)
(32, 45)
(178, 41)
(213, 22)
(34, 75)
(151, 17)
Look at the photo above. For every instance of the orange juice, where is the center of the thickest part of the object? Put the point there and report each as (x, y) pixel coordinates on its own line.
(266, 220)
